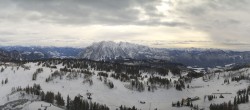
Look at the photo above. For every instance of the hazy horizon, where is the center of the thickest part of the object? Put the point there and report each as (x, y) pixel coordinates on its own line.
(174, 48)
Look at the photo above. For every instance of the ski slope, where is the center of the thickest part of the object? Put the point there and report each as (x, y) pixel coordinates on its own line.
(161, 98)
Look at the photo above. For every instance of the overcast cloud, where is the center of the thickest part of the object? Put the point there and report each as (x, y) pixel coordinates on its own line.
(159, 23)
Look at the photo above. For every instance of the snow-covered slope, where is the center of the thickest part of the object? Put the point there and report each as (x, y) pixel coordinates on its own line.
(37, 104)
(161, 98)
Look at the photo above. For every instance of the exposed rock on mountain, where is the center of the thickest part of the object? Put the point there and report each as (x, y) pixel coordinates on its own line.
(108, 50)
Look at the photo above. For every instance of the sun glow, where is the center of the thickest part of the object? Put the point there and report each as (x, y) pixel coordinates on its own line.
(164, 7)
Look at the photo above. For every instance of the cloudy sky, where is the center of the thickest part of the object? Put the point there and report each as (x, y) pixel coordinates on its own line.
(158, 23)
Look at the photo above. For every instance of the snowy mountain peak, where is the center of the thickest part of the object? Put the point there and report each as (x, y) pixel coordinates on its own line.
(107, 50)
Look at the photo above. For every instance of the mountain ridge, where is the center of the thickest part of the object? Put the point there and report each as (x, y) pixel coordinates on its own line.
(39, 52)
(108, 50)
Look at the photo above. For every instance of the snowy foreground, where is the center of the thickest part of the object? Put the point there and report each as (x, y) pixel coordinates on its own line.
(161, 98)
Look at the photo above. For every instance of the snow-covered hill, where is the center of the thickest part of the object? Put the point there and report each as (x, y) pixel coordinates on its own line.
(113, 98)
(74, 83)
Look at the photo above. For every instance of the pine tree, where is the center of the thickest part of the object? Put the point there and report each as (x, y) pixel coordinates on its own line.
(211, 107)
(238, 100)
(59, 100)
(68, 101)
(2, 69)
(188, 103)
(178, 104)
(42, 96)
(236, 107)
(247, 98)
(49, 97)
(133, 108)
(230, 106)
(243, 99)
(6, 80)
(121, 108)
(235, 101)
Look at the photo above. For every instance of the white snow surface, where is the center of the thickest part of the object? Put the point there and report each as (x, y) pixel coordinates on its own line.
(37, 104)
(161, 99)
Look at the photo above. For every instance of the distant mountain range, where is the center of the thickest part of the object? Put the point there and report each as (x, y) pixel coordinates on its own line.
(9, 55)
(112, 51)
(108, 50)
(36, 52)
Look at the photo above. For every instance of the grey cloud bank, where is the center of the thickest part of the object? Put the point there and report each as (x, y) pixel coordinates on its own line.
(176, 23)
